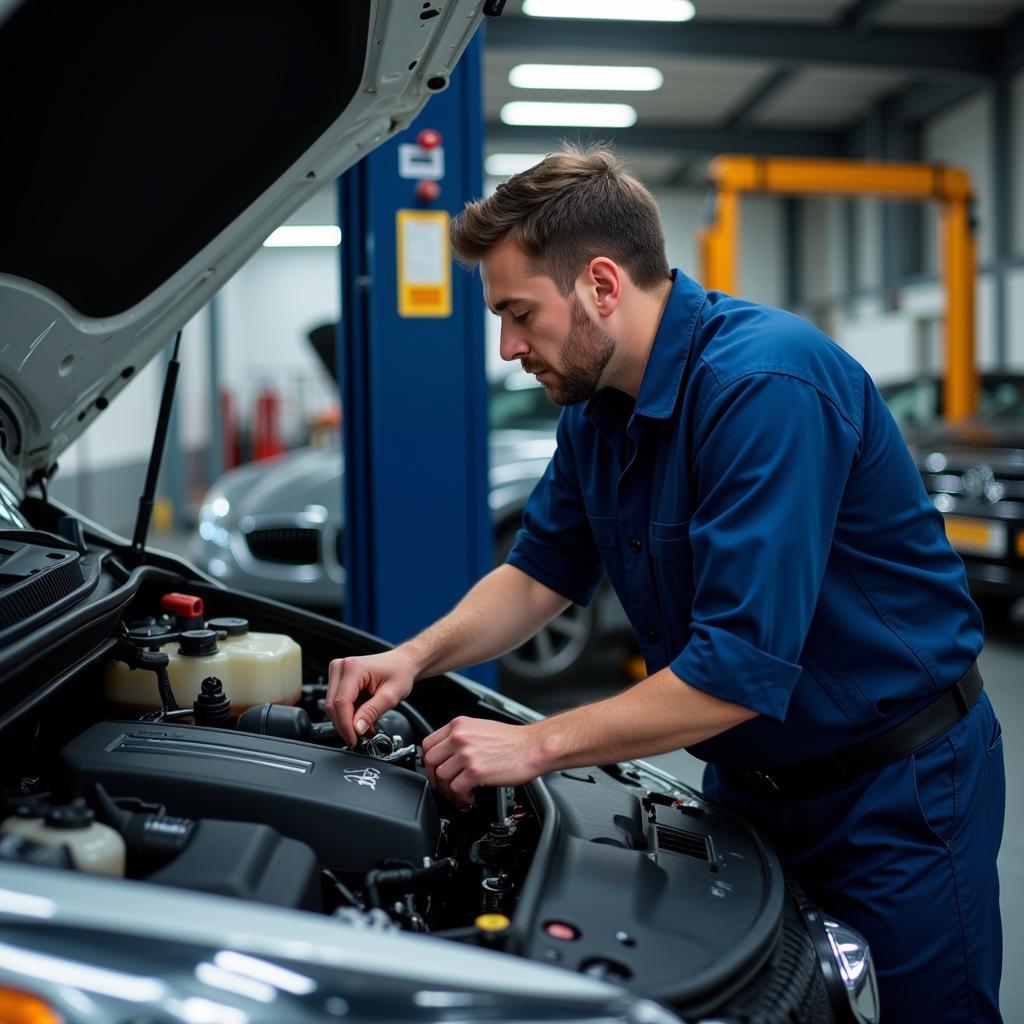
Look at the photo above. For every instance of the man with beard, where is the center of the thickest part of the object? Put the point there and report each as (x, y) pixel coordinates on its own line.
(806, 625)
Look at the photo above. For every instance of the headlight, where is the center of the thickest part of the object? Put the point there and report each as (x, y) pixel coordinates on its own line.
(856, 970)
(211, 521)
(849, 970)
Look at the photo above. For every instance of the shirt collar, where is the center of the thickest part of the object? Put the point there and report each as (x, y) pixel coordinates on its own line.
(663, 375)
(667, 361)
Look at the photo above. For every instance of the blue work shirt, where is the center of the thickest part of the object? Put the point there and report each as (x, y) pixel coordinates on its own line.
(765, 528)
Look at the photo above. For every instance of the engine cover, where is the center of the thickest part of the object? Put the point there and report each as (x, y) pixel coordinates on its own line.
(352, 810)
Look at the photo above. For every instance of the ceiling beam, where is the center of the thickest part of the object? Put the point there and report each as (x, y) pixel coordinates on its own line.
(861, 13)
(759, 97)
(927, 99)
(924, 52)
(680, 139)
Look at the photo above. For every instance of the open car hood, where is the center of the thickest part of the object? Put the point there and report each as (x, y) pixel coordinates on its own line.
(149, 149)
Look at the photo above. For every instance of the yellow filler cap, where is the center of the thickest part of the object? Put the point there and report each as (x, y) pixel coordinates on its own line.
(492, 923)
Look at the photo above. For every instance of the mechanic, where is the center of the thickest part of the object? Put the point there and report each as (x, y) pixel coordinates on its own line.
(807, 626)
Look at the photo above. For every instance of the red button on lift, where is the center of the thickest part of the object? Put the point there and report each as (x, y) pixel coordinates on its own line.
(429, 138)
(561, 931)
(428, 191)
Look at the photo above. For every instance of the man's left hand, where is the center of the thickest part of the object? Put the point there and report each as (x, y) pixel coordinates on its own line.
(471, 752)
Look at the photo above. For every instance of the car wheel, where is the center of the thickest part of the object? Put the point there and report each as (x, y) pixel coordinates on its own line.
(560, 653)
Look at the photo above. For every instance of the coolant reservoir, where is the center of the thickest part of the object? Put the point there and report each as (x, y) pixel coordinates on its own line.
(255, 668)
(94, 848)
(263, 668)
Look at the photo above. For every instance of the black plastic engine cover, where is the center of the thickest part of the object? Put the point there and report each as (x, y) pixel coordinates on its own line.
(250, 862)
(352, 810)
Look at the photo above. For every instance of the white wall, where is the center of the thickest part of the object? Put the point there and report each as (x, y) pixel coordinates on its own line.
(869, 243)
(882, 342)
(265, 312)
(1015, 318)
(961, 137)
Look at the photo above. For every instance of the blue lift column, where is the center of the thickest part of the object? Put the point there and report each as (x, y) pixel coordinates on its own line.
(412, 367)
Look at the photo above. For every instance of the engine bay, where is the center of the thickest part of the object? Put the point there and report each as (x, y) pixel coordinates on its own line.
(171, 732)
(264, 801)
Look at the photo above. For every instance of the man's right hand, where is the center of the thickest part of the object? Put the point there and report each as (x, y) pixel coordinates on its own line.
(360, 690)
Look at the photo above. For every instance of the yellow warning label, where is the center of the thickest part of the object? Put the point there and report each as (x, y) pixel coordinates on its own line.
(424, 265)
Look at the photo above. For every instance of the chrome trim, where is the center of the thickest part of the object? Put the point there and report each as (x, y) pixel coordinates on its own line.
(191, 748)
(856, 969)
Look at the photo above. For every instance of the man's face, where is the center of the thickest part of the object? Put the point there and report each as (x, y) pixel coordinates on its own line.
(550, 334)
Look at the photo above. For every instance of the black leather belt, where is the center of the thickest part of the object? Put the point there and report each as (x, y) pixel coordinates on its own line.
(850, 763)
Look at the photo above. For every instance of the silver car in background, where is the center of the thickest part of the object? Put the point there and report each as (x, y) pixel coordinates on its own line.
(275, 528)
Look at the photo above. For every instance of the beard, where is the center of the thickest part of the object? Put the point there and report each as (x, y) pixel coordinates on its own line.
(585, 354)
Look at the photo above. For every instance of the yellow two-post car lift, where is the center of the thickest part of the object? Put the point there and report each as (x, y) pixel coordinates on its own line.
(949, 187)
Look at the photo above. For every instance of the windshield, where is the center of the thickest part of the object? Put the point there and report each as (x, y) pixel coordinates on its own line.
(1006, 401)
(917, 402)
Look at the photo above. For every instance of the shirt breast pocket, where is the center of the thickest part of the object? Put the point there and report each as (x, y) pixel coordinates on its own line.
(672, 567)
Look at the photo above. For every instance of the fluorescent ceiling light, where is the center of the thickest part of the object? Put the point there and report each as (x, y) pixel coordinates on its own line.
(584, 115)
(305, 235)
(504, 165)
(585, 76)
(612, 10)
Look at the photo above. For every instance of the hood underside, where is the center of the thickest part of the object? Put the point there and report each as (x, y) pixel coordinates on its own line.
(149, 151)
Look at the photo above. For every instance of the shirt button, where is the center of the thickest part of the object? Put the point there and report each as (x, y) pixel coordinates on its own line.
(653, 635)
(635, 545)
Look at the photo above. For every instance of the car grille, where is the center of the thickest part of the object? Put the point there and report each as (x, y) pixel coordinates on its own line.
(287, 545)
(985, 476)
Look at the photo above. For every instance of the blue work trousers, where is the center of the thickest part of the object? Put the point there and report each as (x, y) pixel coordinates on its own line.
(907, 855)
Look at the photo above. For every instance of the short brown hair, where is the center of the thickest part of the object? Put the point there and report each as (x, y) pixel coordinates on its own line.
(574, 205)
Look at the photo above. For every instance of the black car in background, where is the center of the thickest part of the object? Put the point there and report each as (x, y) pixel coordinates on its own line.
(974, 474)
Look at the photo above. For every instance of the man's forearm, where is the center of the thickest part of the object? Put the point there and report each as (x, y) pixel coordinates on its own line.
(659, 714)
(499, 613)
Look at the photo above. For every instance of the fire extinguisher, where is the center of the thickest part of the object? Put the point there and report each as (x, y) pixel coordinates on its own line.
(266, 440)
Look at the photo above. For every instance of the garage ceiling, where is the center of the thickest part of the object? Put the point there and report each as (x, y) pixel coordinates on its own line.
(801, 77)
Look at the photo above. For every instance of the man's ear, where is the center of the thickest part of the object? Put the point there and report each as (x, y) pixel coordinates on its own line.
(603, 279)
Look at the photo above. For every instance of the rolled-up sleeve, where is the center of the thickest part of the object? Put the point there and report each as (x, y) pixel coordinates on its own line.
(555, 545)
(771, 458)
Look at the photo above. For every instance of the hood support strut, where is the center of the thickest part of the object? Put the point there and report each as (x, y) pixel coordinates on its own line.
(156, 455)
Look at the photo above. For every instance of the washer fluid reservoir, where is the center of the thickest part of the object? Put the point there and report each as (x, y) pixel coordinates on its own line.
(254, 668)
(94, 847)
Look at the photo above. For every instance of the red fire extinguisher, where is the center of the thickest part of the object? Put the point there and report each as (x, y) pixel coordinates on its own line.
(266, 435)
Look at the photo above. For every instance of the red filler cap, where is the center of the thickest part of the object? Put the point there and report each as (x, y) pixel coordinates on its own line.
(185, 605)
(429, 138)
